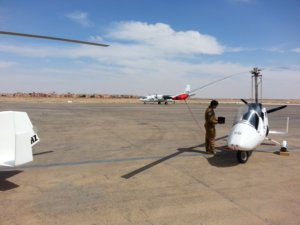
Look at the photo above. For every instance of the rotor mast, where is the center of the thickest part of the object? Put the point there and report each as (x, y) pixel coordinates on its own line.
(256, 81)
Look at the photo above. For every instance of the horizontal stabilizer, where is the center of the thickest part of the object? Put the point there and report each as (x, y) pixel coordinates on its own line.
(16, 138)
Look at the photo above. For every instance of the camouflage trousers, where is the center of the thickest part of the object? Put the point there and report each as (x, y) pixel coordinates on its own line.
(210, 136)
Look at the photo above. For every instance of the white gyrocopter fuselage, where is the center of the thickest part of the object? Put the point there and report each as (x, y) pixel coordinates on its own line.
(250, 128)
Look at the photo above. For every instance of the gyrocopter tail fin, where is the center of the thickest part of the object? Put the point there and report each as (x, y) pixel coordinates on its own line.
(17, 137)
(282, 132)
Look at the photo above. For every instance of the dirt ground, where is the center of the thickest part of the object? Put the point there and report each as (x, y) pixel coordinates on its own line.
(103, 163)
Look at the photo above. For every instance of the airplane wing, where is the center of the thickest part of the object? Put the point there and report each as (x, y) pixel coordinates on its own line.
(17, 136)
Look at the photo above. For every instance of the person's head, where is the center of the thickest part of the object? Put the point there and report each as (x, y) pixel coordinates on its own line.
(214, 103)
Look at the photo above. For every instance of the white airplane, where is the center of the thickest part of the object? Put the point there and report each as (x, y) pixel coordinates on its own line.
(251, 126)
(17, 135)
(167, 98)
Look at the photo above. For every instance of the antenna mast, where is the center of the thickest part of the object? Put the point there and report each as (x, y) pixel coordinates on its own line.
(256, 80)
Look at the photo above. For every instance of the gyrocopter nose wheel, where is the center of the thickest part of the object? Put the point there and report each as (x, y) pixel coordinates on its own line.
(243, 156)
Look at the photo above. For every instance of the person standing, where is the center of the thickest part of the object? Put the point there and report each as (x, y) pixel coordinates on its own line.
(210, 122)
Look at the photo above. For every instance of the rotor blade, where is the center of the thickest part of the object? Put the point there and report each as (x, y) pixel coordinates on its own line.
(243, 100)
(276, 109)
(53, 38)
(216, 81)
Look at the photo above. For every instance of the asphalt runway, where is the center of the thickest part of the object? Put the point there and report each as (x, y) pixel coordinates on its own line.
(145, 164)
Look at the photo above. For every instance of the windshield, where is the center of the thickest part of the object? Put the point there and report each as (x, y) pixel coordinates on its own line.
(249, 114)
(252, 118)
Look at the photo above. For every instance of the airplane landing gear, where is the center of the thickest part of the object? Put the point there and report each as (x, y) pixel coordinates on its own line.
(243, 156)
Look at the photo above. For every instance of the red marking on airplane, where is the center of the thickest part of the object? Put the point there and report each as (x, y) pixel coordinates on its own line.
(181, 97)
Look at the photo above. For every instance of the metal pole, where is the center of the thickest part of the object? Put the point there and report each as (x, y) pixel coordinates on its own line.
(256, 74)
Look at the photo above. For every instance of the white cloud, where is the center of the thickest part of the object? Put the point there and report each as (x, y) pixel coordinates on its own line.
(7, 64)
(120, 67)
(278, 49)
(28, 51)
(96, 39)
(296, 50)
(164, 39)
(142, 58)
(131, 40)
(286, 79)
(79, 17)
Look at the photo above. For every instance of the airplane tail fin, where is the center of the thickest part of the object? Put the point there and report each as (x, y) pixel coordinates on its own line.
(184, 95)
(187, 89)
(17, 136)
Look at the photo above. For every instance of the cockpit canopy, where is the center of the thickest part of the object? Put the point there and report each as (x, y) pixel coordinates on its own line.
(249, 114)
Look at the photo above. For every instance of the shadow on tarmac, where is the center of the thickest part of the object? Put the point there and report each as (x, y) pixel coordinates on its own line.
(6, 185)
(148, 166)
(221, 159)
(42, 153)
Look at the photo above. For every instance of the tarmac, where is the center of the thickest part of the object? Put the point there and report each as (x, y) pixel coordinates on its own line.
(125, 164)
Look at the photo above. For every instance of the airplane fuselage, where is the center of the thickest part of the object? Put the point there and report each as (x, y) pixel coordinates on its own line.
(167, 98)
(157, 99)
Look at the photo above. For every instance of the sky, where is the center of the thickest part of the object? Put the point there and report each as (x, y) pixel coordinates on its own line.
(155, 47)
